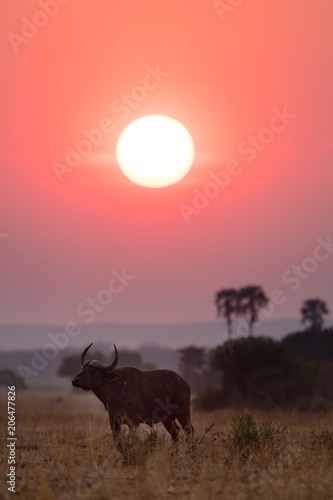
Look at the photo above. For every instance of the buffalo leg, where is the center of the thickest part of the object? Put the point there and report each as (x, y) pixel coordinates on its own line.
(115, 425)
(185, 422)
(172, 428)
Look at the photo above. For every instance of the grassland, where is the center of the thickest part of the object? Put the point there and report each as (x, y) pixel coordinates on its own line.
(65, 451)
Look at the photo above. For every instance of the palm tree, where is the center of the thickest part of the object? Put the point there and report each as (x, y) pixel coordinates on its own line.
(251, 299)
(226, 302)
(313, 311)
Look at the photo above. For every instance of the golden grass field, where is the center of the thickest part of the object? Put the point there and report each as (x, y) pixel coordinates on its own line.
(65, 451)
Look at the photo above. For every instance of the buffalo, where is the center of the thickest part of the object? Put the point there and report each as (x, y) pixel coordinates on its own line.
(132, 396)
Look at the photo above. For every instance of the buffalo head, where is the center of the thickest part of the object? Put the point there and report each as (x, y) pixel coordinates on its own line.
(94, 373)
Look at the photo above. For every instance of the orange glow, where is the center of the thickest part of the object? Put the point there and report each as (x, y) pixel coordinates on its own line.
(77, 74)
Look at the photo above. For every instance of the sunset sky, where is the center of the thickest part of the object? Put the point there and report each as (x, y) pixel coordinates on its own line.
(252, 83)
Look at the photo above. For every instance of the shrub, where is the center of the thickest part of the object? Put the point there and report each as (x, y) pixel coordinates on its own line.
(324, 440)
(209, 399)
(251, 440)
(196, 446)
(135, 451)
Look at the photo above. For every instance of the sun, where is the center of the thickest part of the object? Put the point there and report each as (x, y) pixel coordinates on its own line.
(155, 151)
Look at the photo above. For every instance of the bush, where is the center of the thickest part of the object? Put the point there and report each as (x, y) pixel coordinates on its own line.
(196, 446)
(250, 440)
(209, 399)
(135, 451)
(324, 440)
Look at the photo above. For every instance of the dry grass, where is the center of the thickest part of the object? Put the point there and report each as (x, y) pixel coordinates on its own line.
(65, 451)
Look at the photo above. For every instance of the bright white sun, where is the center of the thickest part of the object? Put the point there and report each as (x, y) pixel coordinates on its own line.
(155, 151)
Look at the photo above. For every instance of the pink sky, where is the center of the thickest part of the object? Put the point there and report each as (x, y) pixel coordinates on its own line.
(228, 77)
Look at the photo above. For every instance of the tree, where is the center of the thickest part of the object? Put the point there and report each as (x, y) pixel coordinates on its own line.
(8, 377)
(132, 358)
(193, 368)
(69, 366)
(260, 371)
(192, 358)
(312, 345)
(226, 302)
(316, 348)
(312, 312)
(250, 300)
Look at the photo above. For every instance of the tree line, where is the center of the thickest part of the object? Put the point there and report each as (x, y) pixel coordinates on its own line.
(252, 371)
(296, 372)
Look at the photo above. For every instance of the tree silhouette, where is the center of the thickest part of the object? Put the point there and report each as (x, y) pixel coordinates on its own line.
(226, 302)
(9, 377)
(192, 358)
(69, 366)
(312, 312)
(193, 367)
(261, 371)
(313, 346)
(250, 300)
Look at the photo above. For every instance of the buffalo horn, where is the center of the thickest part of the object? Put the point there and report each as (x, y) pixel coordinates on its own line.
(111, 365)
(83, 355)
(98, 364)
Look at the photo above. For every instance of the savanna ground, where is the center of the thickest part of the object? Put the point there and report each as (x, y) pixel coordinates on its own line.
(65, 451)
